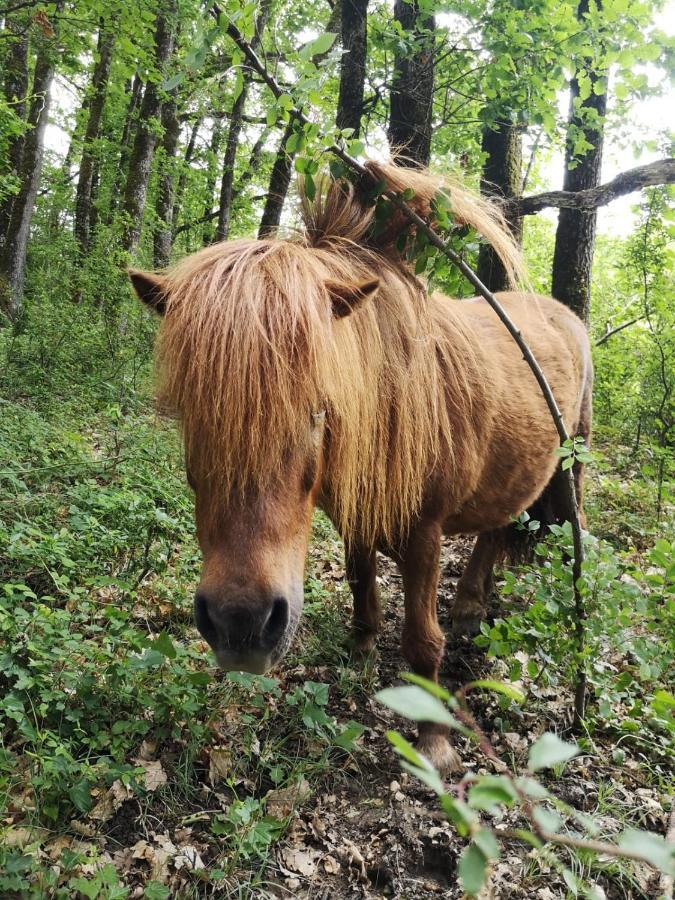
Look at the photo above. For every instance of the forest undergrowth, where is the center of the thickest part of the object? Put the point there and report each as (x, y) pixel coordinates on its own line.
(129, 766)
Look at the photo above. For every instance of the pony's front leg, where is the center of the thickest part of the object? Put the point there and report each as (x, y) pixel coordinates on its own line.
(476, 584)
(361, 566)
(423, 641)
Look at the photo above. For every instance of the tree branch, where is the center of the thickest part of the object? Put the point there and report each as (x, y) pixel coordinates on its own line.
(607, 335)
(660, 172)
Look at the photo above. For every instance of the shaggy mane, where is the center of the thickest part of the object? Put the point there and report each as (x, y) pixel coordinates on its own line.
(249, 349)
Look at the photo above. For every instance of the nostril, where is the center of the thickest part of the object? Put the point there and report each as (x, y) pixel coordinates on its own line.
(203, 619)
(276, 623)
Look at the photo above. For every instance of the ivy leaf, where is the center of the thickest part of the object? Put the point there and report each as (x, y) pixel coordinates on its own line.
(549, 750)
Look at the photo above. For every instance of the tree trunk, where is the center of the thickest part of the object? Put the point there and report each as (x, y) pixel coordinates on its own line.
(13, 259)
(99, 87)
(146, 138)
(501, 180)
(278, 186)
(182, 179)
(165, 200)
(229, 160)
(135, 91)
(211, 176)
(232, 142)
(412, 90)
(352, 64)
(15, 90)
(575, 236)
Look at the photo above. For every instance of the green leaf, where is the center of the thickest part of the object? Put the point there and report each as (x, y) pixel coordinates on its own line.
(310, 187)
(472, 869)
(431, 686)
(546, 819)
(490, 792)
(487, 843)
(499, 687)
(80, 794)
(238, 86)
(417, 704)
(651, 846)
(155, 890)
(428, 775)
(571, 881)
(319, 45)
(295, 142)
(549, 750)
(172, 82)
(404, 748)
(458, 813)
(164, 645)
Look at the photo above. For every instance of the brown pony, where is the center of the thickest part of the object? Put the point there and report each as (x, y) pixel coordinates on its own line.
(316, 370)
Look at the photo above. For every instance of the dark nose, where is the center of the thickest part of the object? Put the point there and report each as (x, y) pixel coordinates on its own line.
(241, 626)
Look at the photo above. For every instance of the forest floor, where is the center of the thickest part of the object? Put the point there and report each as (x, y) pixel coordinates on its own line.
(179, 781)
(354, 825)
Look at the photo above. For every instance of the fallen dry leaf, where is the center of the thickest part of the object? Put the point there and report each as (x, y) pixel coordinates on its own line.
(331, 865)
(188, 858)
(110, 802)
(302, 861)
(22, 837)
(154, 775)
(281, 803)
(158, 855)
(220, 764)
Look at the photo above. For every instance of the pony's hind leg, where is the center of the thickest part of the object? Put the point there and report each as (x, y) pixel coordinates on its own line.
(423, 641)
(476, 584)
(361, 566)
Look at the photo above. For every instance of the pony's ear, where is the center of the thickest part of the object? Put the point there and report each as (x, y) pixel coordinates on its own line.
(348, 296)
(150, 288)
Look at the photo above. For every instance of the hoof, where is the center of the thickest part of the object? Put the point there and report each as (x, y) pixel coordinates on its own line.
(362, 647)
(440, 753)
(466, 624)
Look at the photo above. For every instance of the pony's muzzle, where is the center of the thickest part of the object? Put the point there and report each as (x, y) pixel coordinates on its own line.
(246, 635)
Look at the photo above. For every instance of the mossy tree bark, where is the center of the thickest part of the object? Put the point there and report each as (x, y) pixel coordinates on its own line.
(97, 95)
(354, 28)
(501, 180)
(412, 90)
(575, 235)
(145, 142)
(13, 257)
